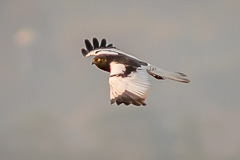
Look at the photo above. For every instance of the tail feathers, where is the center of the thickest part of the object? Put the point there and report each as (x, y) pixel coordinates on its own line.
(158, 72)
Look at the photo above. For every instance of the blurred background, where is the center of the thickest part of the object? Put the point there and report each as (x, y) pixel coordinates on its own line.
(54, 104)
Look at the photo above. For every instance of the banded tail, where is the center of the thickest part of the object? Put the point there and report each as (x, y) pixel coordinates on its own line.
(160, 73)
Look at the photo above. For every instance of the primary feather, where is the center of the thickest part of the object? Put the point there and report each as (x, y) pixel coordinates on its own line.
(128, 80)
(136, 84)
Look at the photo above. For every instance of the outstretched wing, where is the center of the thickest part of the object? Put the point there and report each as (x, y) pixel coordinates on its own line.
(95, 46)
(128, 84)
(96, 49)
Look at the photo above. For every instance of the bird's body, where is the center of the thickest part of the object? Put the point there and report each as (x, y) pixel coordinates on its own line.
(129, 76)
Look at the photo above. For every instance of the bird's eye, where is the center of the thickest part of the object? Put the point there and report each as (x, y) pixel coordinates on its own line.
(98, 59)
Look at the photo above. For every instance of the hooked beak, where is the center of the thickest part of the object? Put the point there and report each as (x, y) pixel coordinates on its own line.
(93, 61)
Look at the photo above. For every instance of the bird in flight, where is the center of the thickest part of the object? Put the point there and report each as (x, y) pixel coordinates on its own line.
(129, 76)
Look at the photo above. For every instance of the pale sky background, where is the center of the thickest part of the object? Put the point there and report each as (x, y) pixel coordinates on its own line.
(54, 105)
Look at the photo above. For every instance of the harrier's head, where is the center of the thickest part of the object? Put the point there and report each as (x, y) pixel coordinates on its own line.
(101, 62)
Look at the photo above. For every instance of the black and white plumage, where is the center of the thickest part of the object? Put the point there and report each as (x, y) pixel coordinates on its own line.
(129, 76)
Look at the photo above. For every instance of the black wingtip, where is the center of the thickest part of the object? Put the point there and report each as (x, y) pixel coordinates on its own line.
(88, 45)
(103, 43)
(95, 43)
(128, 98)
(110, 45)
(84, 52)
